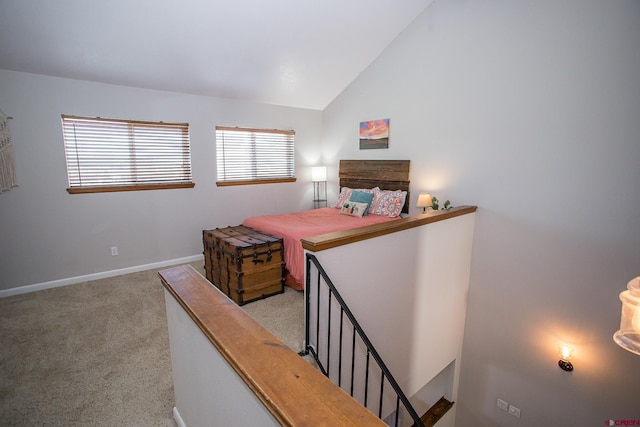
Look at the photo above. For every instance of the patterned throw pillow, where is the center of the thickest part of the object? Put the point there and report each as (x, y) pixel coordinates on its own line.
(353, 209)
(345, 194)
(387, 203)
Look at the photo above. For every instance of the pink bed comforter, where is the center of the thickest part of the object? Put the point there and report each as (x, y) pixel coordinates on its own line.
(293, 227)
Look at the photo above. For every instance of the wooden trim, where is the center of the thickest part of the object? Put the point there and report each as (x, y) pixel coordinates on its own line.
(116, 188)
(339, 238)
(254, 181)
(254, 130)
(139, 122)
(386, 170)
(290, 388)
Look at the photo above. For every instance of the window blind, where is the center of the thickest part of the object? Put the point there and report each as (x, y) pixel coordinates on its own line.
(254, 155)
(114, 155)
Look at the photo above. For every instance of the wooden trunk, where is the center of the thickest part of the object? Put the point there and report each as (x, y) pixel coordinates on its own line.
(243, 263)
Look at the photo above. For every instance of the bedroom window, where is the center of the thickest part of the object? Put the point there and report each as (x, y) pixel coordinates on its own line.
(254, 156)
(105, 155)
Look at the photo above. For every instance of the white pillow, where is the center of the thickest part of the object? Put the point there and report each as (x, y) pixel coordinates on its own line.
(353, 208)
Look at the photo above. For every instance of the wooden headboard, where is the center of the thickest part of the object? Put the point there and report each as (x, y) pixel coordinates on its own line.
(386, 174)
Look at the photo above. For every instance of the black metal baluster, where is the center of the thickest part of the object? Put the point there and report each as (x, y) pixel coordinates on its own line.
(307, 299)
(366, 380)
(318, 319)
(353, 359)
(381, 394)
(340, 350)
(329, 335)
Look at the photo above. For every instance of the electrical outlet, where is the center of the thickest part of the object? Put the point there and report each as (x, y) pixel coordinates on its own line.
(502, 405)
(114, 250)
(514, 411)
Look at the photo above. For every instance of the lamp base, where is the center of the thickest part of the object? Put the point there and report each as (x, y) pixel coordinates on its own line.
(565, 365)
(318, 197)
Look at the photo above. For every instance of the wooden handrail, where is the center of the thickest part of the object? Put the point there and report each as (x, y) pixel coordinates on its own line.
(339, 238)
(291, 389)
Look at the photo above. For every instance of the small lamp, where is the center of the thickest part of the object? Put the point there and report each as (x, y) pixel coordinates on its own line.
(565, 358)
(424, 201)
(318, 175)
(628, 337)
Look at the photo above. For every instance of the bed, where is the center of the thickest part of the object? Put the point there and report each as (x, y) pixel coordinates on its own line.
(386, 180)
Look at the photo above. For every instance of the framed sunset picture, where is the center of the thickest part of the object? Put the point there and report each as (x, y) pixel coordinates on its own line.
(374, 134)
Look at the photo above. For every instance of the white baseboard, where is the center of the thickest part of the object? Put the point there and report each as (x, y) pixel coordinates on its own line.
(178, 418)
(95, 276)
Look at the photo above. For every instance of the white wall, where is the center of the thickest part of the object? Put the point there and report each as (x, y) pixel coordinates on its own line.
(412, 308)
(530, 110)
(198, 370)
(48, 234)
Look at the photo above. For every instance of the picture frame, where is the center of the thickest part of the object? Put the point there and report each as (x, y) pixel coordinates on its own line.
(374, 134)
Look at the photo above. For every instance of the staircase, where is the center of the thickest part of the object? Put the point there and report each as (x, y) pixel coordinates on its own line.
(437, 411)
(344, 353)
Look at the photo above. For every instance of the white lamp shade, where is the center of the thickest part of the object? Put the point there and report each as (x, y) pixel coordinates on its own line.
(318, 173)
(424, 201)
(628, 337)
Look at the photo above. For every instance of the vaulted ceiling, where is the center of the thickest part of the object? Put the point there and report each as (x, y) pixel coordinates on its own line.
(299, 53)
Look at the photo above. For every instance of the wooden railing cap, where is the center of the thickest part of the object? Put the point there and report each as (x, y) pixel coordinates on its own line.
(339, 238)
(290, 388)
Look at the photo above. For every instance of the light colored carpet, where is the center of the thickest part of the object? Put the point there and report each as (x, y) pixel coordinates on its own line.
(97, 353)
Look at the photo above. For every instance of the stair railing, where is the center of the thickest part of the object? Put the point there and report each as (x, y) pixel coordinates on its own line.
(364, 382)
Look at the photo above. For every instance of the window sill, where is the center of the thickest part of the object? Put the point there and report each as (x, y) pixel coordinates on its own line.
(117, 188)
(254, 181)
